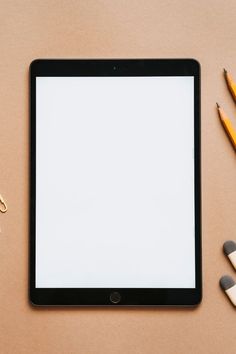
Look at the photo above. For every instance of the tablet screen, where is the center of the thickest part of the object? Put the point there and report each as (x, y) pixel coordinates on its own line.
(115, 182)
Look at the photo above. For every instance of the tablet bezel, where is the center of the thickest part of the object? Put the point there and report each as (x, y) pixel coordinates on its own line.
(116, 67)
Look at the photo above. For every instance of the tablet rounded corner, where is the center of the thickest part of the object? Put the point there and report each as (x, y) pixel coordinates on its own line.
(198, 300)
(195, 64)
(32, 301)
(34, 63)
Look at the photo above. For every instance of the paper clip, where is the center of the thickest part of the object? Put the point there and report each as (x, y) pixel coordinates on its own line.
(3, 206)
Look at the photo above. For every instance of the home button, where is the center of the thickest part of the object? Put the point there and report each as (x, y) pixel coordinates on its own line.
(115, 297)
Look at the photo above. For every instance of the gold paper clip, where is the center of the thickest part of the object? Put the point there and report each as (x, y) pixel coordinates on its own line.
(3, 206)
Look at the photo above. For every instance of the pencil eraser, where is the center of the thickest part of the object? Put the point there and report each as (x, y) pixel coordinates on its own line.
(229, 248)
(228, 285)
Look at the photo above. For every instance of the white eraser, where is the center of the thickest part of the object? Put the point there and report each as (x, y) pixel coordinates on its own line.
(229, 248)
(228, 285)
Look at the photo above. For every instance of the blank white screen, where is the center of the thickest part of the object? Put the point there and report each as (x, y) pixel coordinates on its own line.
(115, 182)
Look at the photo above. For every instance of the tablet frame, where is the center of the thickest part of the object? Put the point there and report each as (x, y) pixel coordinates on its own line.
(103, 296)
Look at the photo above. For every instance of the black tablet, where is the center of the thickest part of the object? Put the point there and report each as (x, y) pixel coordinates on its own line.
(115, 191)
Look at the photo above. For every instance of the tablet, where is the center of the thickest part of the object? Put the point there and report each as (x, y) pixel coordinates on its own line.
(115, 207)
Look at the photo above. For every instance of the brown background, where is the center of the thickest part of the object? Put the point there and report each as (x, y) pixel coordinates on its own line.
(205, 30)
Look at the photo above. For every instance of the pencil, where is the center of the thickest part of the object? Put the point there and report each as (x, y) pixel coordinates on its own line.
(231, 84)
(226, 122)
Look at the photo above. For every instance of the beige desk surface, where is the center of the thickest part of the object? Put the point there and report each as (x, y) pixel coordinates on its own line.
(31, 29)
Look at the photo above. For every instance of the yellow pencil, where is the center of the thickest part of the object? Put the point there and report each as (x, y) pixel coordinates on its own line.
(226, 122)
(231, 84)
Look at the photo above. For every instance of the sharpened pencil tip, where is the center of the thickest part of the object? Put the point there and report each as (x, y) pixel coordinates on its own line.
(225, 71)
(217, 105)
